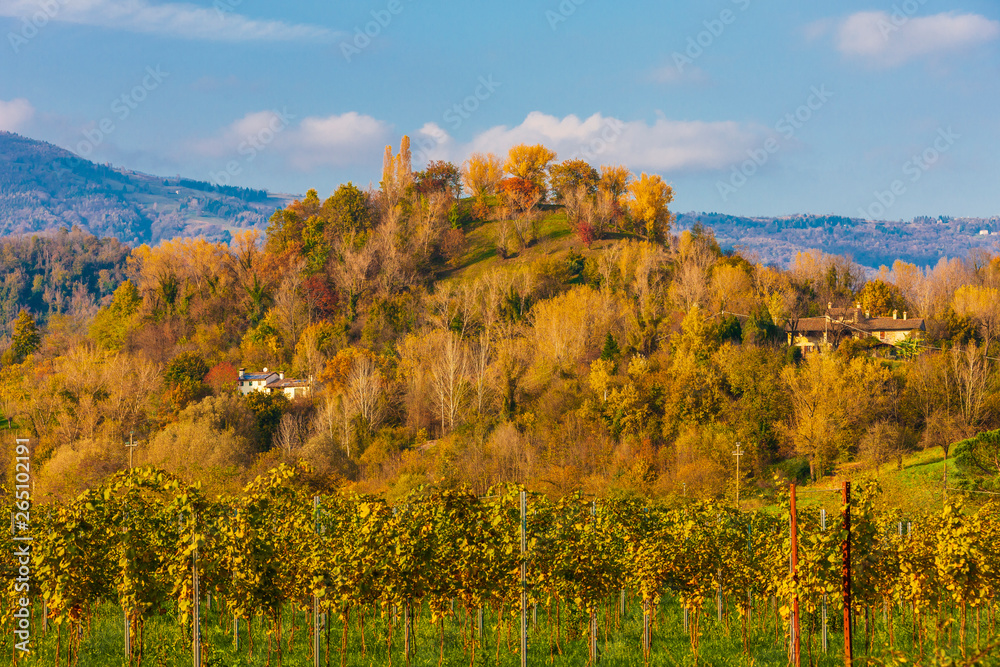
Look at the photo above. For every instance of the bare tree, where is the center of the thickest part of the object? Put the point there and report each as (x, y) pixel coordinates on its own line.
(334, 420)
(366, 392)
(448, 377)
(352, 273)
(291, 433)
(481, 359)
(290, 305)
(971, 371)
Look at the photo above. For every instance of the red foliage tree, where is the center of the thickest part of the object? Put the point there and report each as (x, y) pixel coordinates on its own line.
(222, 378)
(519, 194)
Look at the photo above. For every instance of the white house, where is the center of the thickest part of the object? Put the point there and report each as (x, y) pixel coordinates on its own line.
(272, 382)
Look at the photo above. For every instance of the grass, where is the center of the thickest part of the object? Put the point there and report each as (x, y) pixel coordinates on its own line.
(914, 488)
(554, 238)
(619, 640)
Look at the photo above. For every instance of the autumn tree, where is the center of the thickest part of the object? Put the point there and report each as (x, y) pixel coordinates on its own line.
(439, 176)
(112, 323)
(648, 206)
(481, 174)
(832, 278)
(572, 326)
(173, 274)
(449, 376)
(570, 175)
(615, 180)
(397, 173)
(529, 163)
(816, 393)
(881, 298)
(832, 403)
(697, 253)
(212, 441)
(290, 306)
(222, 378)
(365, 389)
(982, 306)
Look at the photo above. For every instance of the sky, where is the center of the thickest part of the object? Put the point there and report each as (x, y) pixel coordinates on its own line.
(865, 109)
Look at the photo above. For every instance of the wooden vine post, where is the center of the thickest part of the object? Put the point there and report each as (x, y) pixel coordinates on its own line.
(822, 525)
(846, 583)
(316, 626)
(593, 610)
(796, 641)
(196, 624)
(236, 618)
(524, 588)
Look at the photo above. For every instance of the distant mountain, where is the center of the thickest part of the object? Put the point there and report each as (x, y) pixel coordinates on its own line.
(44, 188)
(873, 243)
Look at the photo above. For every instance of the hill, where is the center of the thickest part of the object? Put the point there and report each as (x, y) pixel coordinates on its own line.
(43, 188)
(873, 243)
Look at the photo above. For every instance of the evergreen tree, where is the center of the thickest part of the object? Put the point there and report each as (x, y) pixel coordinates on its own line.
(611, 351)
(26, 340)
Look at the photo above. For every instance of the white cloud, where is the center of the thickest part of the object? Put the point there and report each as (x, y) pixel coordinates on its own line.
(352, 139)
(175, 19)
(889, 40)
(665, 145)
(317, 141)
(14, 115)
(338, 140)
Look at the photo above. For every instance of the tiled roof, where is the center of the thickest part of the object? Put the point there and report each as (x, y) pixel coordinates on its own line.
(893, 324)
(807, 325)
(844, 313)
(287, 384)
(815, 325)
(257, 376)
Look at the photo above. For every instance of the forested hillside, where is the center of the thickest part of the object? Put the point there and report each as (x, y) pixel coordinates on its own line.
(515, 318)
(45, 188)
(923, 241)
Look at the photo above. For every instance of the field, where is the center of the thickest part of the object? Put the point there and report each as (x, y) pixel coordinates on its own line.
(715, 585)
(619, 640)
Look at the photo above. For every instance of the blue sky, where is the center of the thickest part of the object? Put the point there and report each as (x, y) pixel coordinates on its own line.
(745, 107)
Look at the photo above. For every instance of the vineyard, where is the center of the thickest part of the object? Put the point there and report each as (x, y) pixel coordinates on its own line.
(277, 576)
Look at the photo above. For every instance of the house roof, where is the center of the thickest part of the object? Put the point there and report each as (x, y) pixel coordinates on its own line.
(287, 383)
(844, 313)
(893, 324)
(814, 325)
(807, 325)
(257, 376)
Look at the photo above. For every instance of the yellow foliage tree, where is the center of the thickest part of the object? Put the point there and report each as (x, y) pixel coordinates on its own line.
(574, 324)
(832, 403)
(982, 305)
(648, 205)
(615, 180)
(397, 172)
(529, 163)
(169, 274)
(481, 174)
